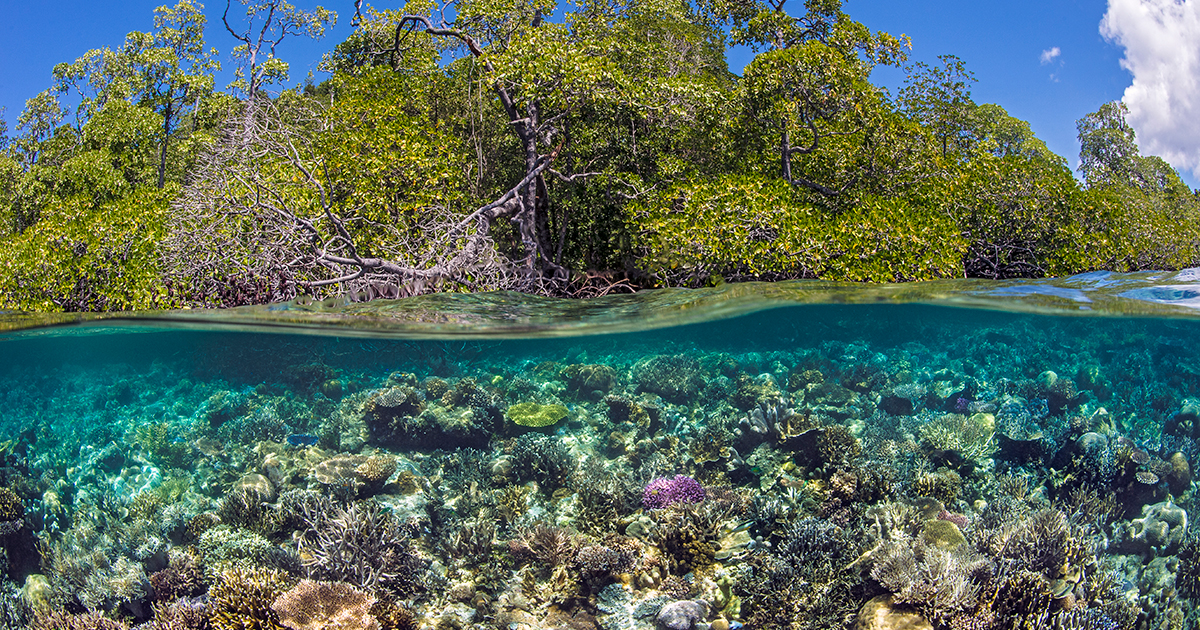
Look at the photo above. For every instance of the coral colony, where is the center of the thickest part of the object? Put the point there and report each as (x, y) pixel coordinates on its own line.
(663, 492)
(998, 473)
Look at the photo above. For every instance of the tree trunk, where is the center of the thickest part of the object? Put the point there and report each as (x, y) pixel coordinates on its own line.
(162, 161)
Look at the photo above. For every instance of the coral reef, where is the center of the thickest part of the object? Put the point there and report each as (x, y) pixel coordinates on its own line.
(1001, 473)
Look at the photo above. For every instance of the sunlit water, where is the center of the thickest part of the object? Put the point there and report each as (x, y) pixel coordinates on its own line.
(989, 455)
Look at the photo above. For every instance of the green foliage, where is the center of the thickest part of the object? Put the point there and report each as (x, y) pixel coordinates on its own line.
(757, 228)
(484, 144)
(389, 159)
(85, 255)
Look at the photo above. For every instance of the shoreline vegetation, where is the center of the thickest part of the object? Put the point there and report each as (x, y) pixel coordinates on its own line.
(484, 146)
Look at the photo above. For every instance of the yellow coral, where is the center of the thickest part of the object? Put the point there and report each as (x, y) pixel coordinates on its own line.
(242, 597)
(531, 414)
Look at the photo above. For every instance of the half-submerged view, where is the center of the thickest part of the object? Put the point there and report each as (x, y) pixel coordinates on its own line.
(807, 465)
(599, 315)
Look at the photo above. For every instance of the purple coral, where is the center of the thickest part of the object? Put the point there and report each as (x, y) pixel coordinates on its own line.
(663, 492)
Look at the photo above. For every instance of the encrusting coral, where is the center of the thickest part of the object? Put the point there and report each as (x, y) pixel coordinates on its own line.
(534, 415)
(312, 605)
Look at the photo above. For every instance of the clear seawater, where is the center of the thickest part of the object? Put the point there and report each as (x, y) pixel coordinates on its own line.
(973, 455)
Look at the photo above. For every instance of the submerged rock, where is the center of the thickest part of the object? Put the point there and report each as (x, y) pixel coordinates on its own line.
(682, 615)
(881, 614)
(1161, 525)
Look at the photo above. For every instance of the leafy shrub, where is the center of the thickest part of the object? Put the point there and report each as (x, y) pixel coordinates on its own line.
(748, 227)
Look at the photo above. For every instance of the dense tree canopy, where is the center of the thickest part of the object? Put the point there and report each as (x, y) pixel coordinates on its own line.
(484, 144)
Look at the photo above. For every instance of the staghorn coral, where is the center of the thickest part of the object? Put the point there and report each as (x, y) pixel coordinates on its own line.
(241, 598)
(815, 547)
(939, 582)
(364, 546)
(663, 492)
(969, 436)
(312, 605)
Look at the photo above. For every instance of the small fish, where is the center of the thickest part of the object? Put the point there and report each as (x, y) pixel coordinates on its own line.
(302, 439)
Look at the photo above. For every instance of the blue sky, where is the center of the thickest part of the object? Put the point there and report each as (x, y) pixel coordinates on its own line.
(1044, 61)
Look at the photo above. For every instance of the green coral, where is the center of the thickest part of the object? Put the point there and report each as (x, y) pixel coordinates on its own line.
(534, 415)
(943, 534)
(160, 446)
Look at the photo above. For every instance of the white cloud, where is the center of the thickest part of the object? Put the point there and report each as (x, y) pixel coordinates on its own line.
(1161, 39)
(1050, 55)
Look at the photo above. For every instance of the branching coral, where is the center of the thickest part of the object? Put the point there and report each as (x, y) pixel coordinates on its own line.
(543, 459)
(552, 546)
(364, 546)
(938, 582)
(185, 614)
(246, 506)
(12, 511)
(181, 578)
(161, 446)
(223, 544)
(663, 492)
(242, 597)
(970, 436)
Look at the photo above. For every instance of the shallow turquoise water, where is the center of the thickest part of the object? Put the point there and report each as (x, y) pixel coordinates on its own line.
(989, 455)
